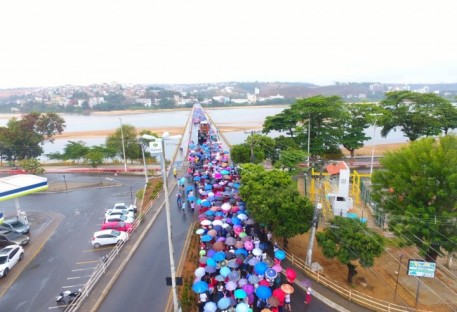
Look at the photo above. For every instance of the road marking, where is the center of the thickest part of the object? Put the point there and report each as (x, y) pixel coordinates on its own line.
(76, 270)
(76, 277)
(85, 262)
(73, 286)
(58, 307)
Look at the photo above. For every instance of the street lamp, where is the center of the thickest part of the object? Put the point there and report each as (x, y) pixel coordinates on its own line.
(140, 140)
(309, 136)
(252, 143)
(123, 145)
(157, 146)
(374, 141)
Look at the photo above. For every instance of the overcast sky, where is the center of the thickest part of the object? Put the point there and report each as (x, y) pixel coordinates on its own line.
(56, 42)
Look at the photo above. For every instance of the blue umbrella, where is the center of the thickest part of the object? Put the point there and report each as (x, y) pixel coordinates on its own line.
(206, 238)
(191, 198)
(189, 188)
(219, 256)
(182, 181)
(210, 307)
(211, 261)
(197, 178)
(225, 271)
(223, 303)
(236, 185)
(210, 213)
(240, 294)
(241, 251)
(263, 292)
(260, 268)
(236, 221)
(206, 203)
(225, 172)
(280, 254)
(208, 187)
(200, 287)
(271, 273)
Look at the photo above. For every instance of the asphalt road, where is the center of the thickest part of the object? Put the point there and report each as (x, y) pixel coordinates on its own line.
(68, 258)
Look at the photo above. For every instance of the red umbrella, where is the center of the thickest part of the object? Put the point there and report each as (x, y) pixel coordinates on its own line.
(278, 293)
(264, 283)
(290, 275)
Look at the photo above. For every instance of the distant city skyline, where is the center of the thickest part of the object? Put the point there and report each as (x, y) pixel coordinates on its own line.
(53, 43)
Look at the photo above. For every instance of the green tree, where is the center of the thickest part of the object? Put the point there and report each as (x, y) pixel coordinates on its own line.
(290, 159)
(417, 114)
(417, 188)
(25, 136)
(350, 241)
(273, 200)
(324, 116)
(32, 165)
(94, 157)
(241, 153)
(114, 142)
(354, 127)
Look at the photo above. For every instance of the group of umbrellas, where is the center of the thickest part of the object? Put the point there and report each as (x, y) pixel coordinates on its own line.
(232, 256)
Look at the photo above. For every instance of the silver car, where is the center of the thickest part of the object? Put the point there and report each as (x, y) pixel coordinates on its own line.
(15, 225)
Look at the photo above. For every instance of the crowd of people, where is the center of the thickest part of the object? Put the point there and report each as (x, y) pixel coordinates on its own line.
(234, 272)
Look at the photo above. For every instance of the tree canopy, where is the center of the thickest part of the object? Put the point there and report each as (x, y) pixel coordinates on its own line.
(273, 200)
(131, 144)
(350, 241)
(418, 189)
(417, 114)
(22, 138)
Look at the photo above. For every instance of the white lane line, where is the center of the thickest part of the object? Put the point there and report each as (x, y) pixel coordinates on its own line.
(76, 277)
(85, 269)
(73, 286)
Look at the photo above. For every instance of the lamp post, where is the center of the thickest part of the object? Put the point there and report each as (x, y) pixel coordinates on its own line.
(374, 142)
(309, 136)
(123, 145)
(158, 147)
(144, 160)
(252, 143)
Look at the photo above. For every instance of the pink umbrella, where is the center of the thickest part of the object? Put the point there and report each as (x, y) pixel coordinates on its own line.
(248, 245)
(277, 268)
(230, 285)
(217, 175)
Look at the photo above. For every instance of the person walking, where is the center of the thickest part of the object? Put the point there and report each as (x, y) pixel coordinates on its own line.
(183, 207)
(179, 199)
(175, 171)
(192, 206)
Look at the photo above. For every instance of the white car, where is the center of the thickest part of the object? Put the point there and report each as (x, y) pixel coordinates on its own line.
(108, 237)
(9, 256)
(120, 206)
(117, 216)
(118, 212)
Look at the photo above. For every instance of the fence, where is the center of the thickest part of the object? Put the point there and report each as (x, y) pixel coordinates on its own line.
(349, 294)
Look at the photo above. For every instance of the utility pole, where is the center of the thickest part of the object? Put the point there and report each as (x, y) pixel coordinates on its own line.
(252, 144)
(316, 216)
(123, 145)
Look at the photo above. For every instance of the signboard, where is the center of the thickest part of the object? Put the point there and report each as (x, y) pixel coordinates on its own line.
(421, 268)
(155, 147)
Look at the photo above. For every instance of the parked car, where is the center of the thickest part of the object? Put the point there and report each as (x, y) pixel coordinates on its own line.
(119, 218)
(120, 206)
(108, 237)
(10, 238)
(15, 225)
(9, 256)
(118, 212)
(118, 226)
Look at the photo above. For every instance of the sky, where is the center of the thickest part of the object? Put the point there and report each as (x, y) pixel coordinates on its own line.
(55, 42)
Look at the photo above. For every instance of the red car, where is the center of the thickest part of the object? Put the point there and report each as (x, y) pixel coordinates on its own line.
(118, 226)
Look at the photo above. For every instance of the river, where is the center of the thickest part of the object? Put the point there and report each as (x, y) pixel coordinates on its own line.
(245, 117)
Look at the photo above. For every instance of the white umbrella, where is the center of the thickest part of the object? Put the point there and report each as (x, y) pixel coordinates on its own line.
(217, 222)
(242, 216)
(205, 222)
(257, 251)
(226, 206)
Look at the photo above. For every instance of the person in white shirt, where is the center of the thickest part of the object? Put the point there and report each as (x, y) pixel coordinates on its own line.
(202, 301)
